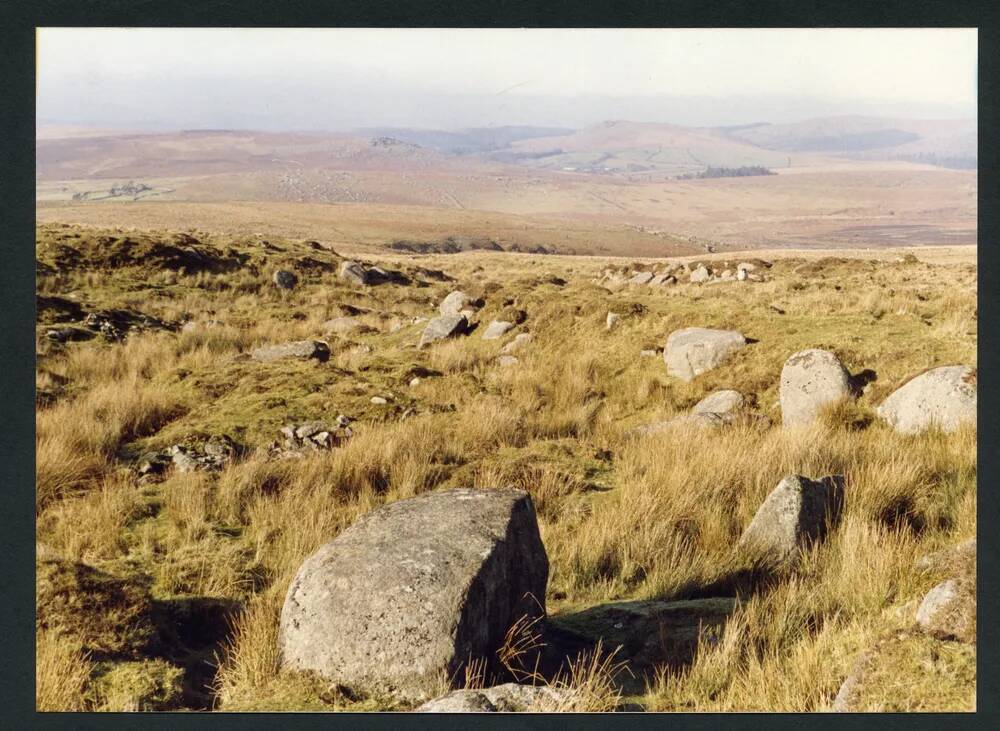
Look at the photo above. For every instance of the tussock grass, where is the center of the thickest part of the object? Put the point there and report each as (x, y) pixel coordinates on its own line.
(621, 517)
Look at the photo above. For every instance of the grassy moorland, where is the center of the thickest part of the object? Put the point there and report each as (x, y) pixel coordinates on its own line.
(622, 518)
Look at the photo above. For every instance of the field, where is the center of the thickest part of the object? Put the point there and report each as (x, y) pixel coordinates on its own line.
(189, 570)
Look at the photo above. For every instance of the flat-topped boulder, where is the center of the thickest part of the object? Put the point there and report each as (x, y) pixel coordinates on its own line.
(297, 349)
(441, 328)
(810, 380)
(944, 397)
(694, 350)
(415, 591)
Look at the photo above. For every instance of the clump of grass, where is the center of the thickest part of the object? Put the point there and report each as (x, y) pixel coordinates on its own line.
(62, 671)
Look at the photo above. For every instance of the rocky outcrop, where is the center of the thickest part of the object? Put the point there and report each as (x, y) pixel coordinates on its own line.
(416, 590)
(943, 397)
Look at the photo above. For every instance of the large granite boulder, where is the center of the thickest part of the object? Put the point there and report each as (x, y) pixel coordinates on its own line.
(443, 327)
(943, 397)
(416, 590)
(694, 350)
(810, 380)
(298, 349)
(796, 512)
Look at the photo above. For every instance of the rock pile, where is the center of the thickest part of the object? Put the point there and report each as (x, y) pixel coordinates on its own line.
(212, 455)
(506, 698)
(301, 439)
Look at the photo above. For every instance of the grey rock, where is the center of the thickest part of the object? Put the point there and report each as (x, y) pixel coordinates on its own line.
(455, 303)
(354, 272)
(416, 590)
(284, 279)
(700, 274)
(346, 326)
(519, 343)
(641, 278)
(720, 402)
(611, 320)
(443, 327)
(797, 511)
(811, 379)
(298, 349)
(694, 350)
(497, 329)
(506, 698)
(69, 334)
(944, 397)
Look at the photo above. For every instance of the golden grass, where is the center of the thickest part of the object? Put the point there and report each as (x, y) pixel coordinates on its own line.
(621, 517)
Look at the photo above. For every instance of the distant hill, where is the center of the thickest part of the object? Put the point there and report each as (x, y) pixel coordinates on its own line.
(951, 143)
(465, 141)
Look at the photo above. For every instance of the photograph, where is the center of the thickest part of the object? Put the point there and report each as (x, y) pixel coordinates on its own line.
(505, 370)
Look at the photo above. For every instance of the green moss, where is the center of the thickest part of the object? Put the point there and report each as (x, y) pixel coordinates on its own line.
(147, 685)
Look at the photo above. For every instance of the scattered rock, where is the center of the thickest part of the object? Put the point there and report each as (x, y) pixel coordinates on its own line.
(944, 397)
(311, 436)
(497, 329)
(346, 326)
(443, 327)
(115, 325)
(694, 350)
(641, 278)
(211, 456)
(723, 403)
(506, 698)
(298, 349)
(507, 360)
(415, 590)
(797, 511)
(700, 274)
(811, 379)
(457, 303)
(69, 334)
(520, 341)
(284, 279)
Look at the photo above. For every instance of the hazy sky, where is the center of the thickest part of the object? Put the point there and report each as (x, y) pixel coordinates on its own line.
(330, 78)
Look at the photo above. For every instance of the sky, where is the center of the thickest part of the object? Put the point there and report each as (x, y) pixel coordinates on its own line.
(174, 78)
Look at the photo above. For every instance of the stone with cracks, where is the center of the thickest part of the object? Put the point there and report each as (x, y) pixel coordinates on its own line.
(443, 327)
(944, 397)
(415, 591)
(811, 379)
(797, 511)
(695, 350)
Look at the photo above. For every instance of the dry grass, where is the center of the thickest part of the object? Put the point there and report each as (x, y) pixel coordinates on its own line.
(621, 517)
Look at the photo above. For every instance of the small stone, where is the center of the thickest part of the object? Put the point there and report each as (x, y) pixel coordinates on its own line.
(507, 360)
(497, 329)
(612, 319)
(284, 279)
(378, 400)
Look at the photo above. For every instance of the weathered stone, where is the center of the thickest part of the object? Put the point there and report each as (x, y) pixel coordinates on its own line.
(354, 272)
(497, 329)
(346, 326)
(700, 274)
(520, 341)
(415, 590)
(284, 279)
(298, 349)
(695, 350)
(741, 275)
(719, 402)
(810, 380)
(641, 278)
(797, 511)
(611, 320)
(507, 360)
(456, 302)
(379, 400)
(506, 698)
(443, 327)
(944, 397)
